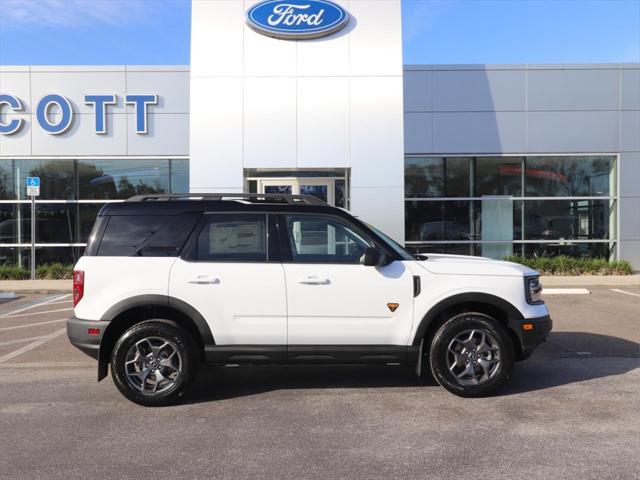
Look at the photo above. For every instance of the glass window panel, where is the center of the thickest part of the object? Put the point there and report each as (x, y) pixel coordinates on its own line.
(64, 255)
(568, 176)
(233, 238)
(340, 194)
(568, 219)
(8, 233)
(55, 223)
(57, 178)
(125, 234)
(179, 176)
(318, 191)
(424, 177)
(498, 176)
(87, 217)
(7, 180)
(456, 177)
(438, 220)
(119, 179)
(580, 250)
(324, 240)
(278, 189)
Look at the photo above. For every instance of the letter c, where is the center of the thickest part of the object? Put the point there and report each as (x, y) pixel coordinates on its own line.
(14, 104)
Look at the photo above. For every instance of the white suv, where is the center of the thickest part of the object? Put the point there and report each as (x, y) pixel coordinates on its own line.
(170, 282)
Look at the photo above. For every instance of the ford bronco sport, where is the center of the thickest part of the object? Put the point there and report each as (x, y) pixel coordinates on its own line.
(168, 282)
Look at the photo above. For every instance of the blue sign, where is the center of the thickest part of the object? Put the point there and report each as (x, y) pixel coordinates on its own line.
(33, 181)
(297, 19)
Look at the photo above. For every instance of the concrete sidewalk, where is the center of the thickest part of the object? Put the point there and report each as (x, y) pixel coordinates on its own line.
(65, 286)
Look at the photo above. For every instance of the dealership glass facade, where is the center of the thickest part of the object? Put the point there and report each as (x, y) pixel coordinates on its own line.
(72, 193)
(499, 206)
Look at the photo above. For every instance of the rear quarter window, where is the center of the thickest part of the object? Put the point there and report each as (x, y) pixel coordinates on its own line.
(151, 236)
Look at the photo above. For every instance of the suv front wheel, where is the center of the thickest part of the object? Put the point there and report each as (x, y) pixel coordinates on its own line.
(472, 355)
(154, 363)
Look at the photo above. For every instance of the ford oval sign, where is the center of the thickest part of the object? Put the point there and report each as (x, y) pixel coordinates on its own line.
(297, 19)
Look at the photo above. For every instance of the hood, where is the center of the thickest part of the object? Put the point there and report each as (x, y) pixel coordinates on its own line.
(467, 265)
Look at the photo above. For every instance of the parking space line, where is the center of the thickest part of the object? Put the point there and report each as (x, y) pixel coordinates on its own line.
(37, 304)
(22, 340)
(625, 292)
(48, 322)
(32, 345)
(565, 291)
(39, 313)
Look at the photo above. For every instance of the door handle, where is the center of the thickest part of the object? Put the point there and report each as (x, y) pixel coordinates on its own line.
(313, 280)
(204, 280)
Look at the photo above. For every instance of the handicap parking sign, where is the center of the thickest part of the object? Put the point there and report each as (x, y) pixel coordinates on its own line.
(33, 186)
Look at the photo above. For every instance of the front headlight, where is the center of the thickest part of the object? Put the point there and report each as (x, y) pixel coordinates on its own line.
(533, 290)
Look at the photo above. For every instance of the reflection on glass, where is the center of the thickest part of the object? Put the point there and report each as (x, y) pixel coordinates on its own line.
(179, 176)
(498, 176)
(427, 220)
(567, 219)
(568, 176)
(571, 249)
(57, 178)
(340, 194)
(7, 182)
(424, 177)
(318, 191)
(119, 179)
(55, 223)
(87, 217)
(278, 189)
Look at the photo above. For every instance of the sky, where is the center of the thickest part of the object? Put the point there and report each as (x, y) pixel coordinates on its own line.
(138, 32)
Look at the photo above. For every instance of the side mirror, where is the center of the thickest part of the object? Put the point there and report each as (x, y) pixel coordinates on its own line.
(374, 258)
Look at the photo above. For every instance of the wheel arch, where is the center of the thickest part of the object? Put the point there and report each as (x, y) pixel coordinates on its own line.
(491, 305)
(131, 311)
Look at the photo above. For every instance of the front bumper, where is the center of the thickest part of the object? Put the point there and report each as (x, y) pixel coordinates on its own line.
(79, 336)
(530, 339)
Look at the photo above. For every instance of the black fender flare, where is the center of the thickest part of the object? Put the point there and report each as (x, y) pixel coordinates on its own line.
(511, 312)
(163, 301)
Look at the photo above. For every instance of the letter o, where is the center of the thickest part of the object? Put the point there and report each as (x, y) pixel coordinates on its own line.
(65, 109)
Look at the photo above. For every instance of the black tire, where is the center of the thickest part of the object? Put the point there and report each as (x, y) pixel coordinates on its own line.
(500, 358)
(148, 334)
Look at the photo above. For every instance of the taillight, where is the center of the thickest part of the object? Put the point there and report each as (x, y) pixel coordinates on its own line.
(78, 286)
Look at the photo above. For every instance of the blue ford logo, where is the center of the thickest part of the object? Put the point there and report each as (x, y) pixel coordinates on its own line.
(297, 19)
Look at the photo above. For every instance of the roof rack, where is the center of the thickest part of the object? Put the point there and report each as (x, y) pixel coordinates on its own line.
(248, 197)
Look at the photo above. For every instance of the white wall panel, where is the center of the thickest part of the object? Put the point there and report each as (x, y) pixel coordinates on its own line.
(376, 38)
(630, 133)
(270, 122)
(480, 90)
(377, 147)
(19, 143)
(80, 139)
(75, 85)
(558, 89)
(383, 207)
(473, 132)
(266, 56)
(630, 82)
(418, 132)
(18, 85)
(323, 122)
(417, 91)
(217, 38)
(171, 88)
(218, 149)
(168, 134)
(574, 132)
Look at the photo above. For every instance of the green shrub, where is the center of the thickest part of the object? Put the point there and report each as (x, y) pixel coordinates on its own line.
(53, 271)
(563, 265)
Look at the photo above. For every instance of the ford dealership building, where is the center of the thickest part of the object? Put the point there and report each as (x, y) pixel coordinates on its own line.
(486, 160)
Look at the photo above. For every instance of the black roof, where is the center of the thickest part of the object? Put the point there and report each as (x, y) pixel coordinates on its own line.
(218, 202)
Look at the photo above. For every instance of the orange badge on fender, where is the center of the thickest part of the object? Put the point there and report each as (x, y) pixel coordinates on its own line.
(393, 306)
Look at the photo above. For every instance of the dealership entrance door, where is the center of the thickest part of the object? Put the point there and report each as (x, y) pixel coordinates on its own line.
(328, 187)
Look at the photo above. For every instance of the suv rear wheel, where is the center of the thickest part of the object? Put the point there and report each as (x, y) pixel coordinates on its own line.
(472, 355)
(154, 363)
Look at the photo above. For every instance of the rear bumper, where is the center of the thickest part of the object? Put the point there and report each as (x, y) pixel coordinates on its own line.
(79, 336)
(530, 339)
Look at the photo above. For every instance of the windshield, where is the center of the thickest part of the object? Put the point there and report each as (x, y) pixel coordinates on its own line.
(397, 248)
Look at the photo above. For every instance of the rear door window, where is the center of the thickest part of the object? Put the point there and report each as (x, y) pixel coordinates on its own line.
(233, 238)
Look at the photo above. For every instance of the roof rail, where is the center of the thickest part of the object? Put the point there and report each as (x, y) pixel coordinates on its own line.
(248, 197)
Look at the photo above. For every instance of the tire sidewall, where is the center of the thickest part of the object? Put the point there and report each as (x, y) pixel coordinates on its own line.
(162, 329)
(453, 327)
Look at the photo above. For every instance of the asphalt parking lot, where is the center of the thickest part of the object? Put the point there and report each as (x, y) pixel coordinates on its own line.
(572, 411)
